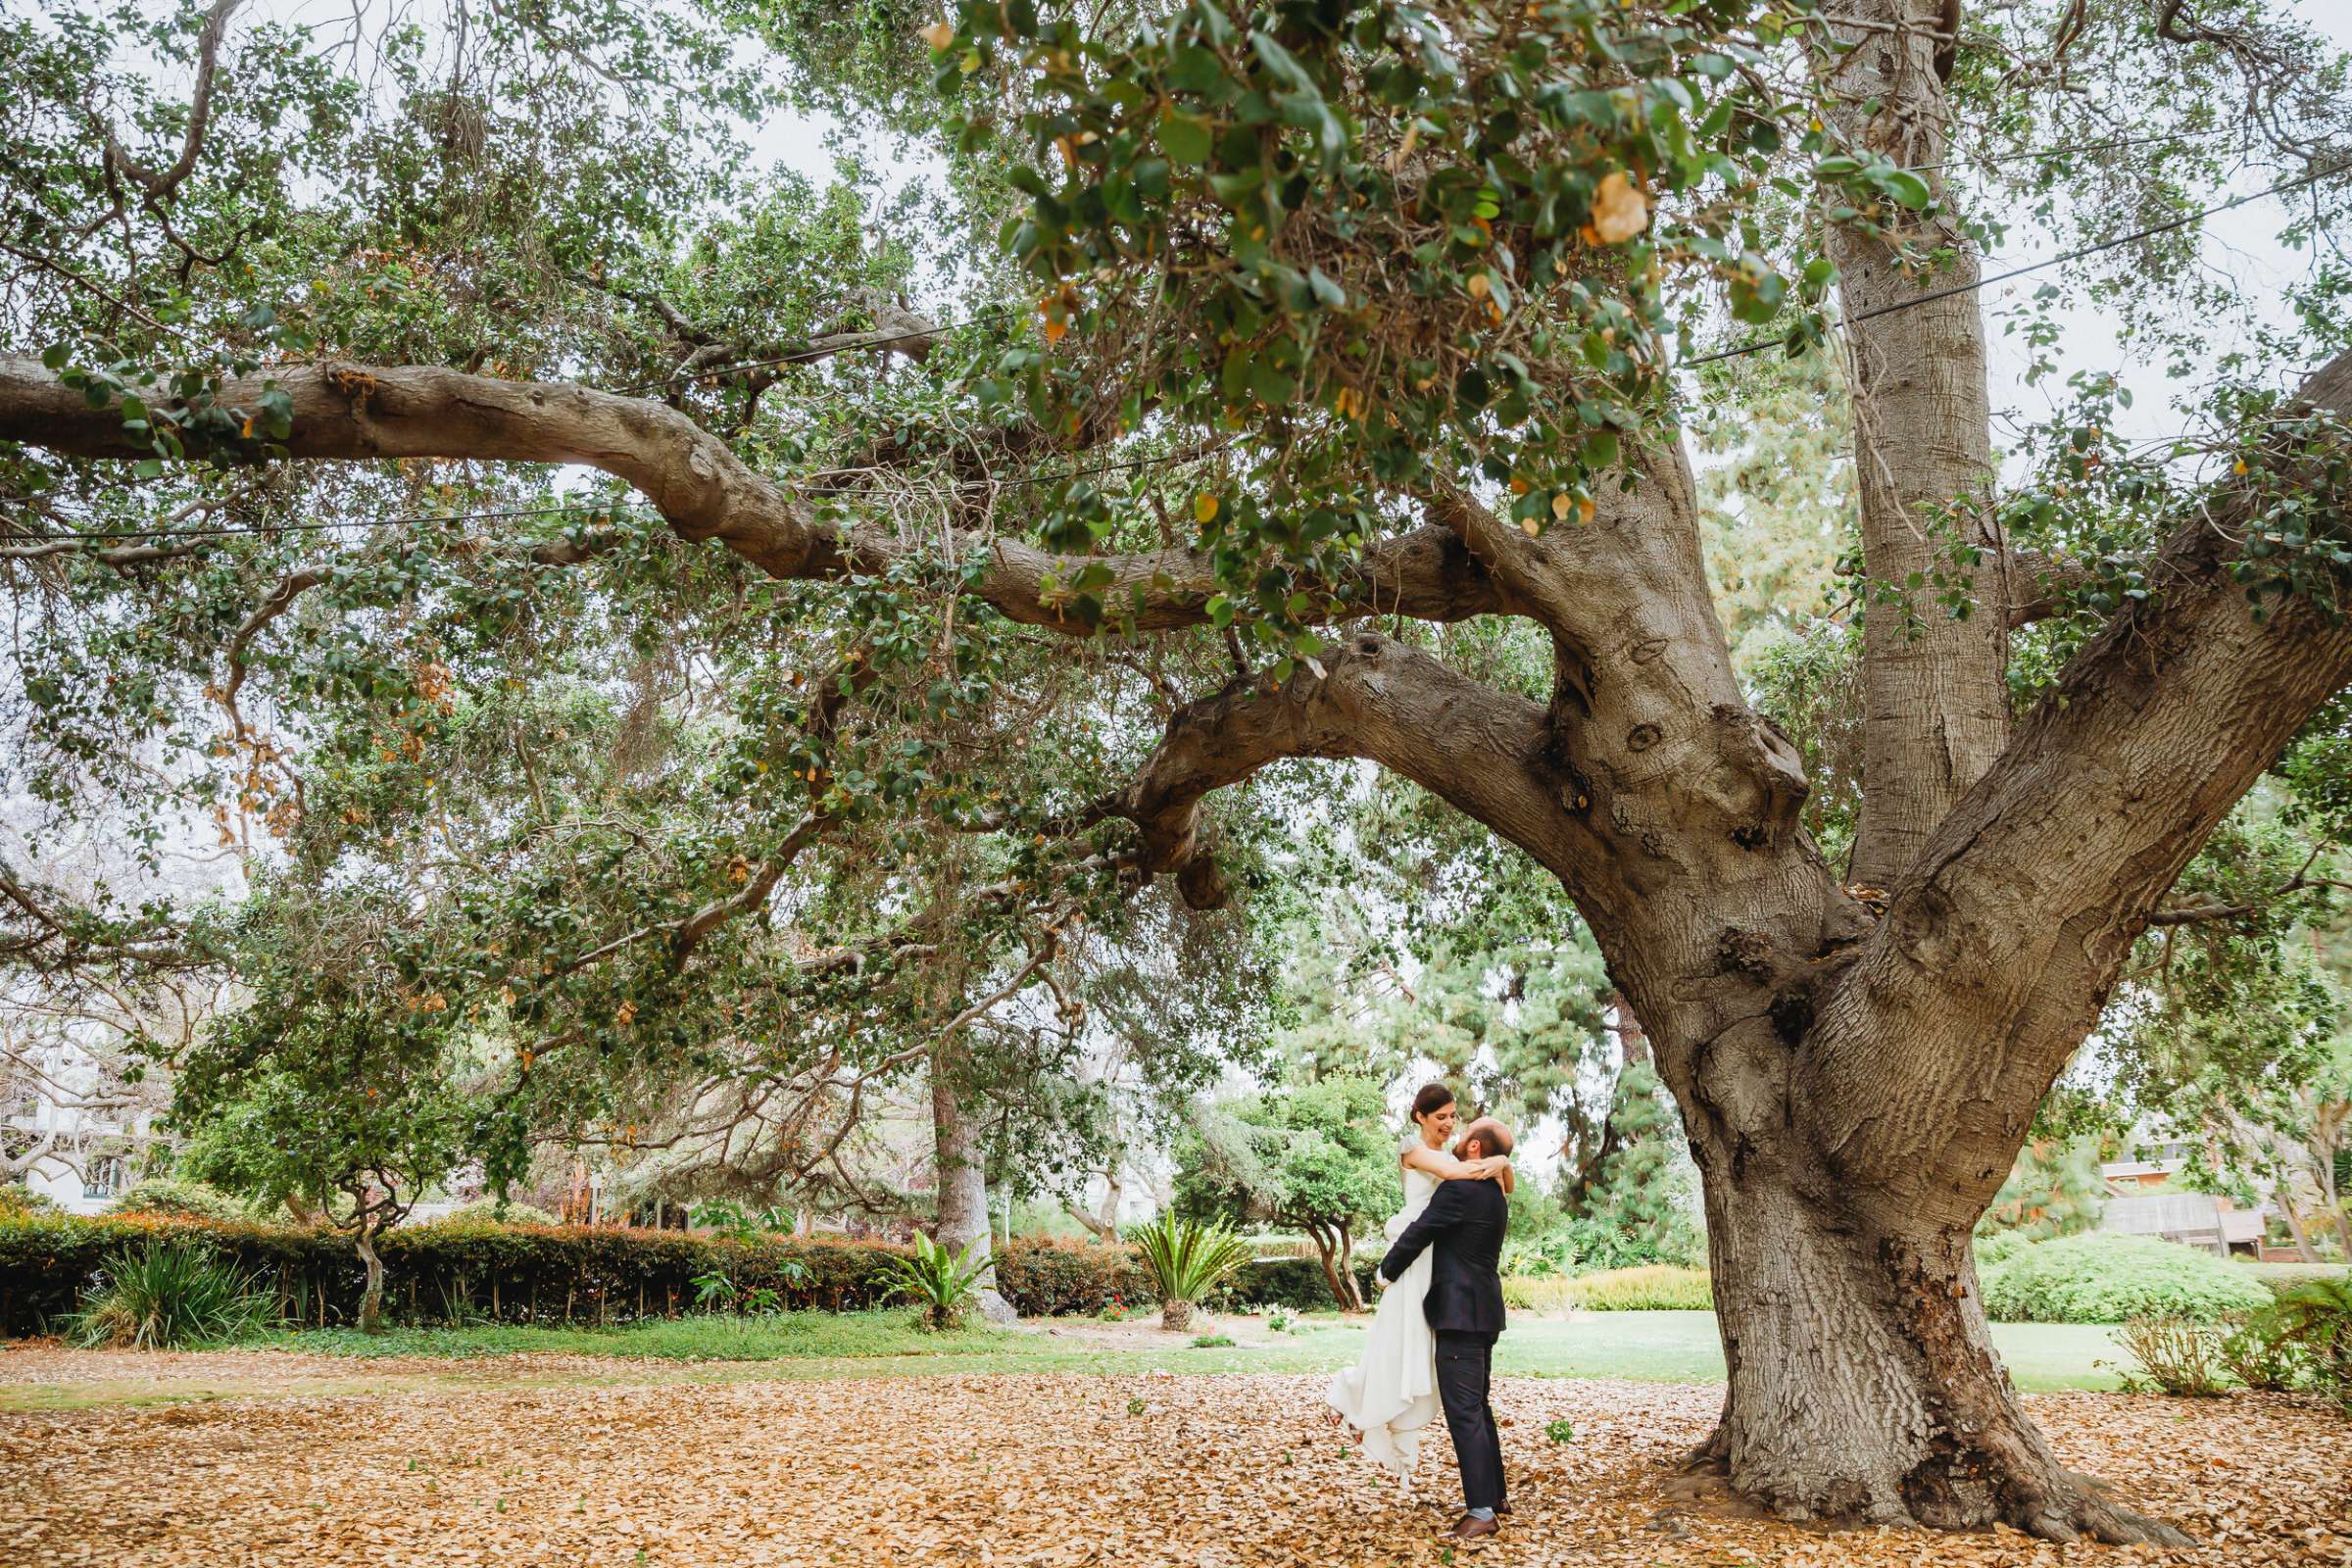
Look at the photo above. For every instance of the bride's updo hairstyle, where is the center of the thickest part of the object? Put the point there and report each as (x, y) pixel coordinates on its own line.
(1432, 1099)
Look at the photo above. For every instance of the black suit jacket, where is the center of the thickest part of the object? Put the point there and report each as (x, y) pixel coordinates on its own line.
(1463, 1227)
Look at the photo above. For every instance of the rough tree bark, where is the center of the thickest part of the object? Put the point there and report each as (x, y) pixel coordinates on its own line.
(1104, 1223)
(964, 1220)
(1934, 702)
(1855, 1079)
(371, 1298)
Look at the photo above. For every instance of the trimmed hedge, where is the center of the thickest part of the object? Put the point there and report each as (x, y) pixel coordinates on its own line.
(1645, 1288)
(570, 1274)
(2097, 1278)
(1292, 1282)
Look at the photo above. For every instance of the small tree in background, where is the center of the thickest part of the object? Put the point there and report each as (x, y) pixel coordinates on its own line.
(354, 1157)
(2053, 1189)
(1635, 1210)
(319, 1097)
(1319, 1157)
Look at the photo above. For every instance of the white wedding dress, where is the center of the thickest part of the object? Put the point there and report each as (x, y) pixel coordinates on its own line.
(1392, 1392)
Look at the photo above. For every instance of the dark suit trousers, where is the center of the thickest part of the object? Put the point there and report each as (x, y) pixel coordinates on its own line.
(1465, 1367)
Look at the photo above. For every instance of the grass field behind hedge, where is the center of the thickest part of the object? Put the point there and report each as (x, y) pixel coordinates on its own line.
(1657, 1346)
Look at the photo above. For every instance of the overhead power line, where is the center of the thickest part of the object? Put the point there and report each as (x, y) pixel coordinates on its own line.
(2153, 229)
(882, 341)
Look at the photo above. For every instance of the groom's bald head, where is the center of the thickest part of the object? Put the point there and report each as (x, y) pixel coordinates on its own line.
(1491, 1136)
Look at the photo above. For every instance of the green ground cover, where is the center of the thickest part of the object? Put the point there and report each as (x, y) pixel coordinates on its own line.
(1653, 1346)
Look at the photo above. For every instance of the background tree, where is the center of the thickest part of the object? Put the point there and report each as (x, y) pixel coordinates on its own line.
(2053, 1189)
(1318, 1156)
(1635, 1207)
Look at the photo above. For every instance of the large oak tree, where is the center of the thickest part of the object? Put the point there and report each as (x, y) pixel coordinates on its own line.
(1375, 303)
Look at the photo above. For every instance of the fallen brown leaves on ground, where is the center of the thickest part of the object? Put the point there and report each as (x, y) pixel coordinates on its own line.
(462, 1467)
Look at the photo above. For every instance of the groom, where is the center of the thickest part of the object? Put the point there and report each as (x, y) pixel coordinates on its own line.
(1463, 1227)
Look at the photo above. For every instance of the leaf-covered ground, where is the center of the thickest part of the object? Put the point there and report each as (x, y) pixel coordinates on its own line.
(584, 1460)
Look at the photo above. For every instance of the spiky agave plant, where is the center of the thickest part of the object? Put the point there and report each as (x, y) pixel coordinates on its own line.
(168, 1294)
(941, 1281)
(1186, 1261)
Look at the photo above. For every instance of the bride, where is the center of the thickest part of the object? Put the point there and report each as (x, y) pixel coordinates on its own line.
(1392, 1392)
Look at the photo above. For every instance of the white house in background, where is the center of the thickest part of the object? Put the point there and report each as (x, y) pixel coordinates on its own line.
(65, 1140)
(2203, 1221)
(2142, 1200)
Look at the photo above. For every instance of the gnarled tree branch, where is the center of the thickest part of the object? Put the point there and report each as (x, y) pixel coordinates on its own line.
(705, 492)
(160, 184)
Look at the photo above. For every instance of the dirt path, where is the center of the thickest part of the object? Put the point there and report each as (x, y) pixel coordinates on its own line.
(491, 1463)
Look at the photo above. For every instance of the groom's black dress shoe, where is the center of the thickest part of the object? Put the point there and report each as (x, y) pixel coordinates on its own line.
(1470, 1528)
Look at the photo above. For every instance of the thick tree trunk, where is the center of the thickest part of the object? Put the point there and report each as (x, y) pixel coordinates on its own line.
(963, 1219)
(1863, 1383)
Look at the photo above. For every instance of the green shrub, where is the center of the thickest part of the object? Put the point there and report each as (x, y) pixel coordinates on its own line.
(1290, 1281)
(168, 1294)
(1651, 1287)
(1187, 1262)
(2281, 1278)
(1547, 1293)
(468, 1270)
(939, 1281)
(1064, 1277)
(2176, 1355)
(2306, 1338)
(2261, 1359)
(2102, 1278)
(15, 1200)
(489, 1211)
(1998, 1248)
(173, 1197)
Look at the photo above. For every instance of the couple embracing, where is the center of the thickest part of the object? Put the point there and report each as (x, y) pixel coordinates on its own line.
(1433, 1339)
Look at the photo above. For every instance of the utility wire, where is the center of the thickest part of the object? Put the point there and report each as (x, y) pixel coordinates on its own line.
(2070, 150)
(803, 355)
(1759, 345)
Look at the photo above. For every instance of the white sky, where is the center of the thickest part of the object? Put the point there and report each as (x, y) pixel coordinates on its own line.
(2241, 243)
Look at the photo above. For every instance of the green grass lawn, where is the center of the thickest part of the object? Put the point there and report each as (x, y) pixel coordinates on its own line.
(1652, 1347)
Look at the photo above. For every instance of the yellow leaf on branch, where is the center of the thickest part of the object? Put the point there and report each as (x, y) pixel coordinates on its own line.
(1619, 210)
